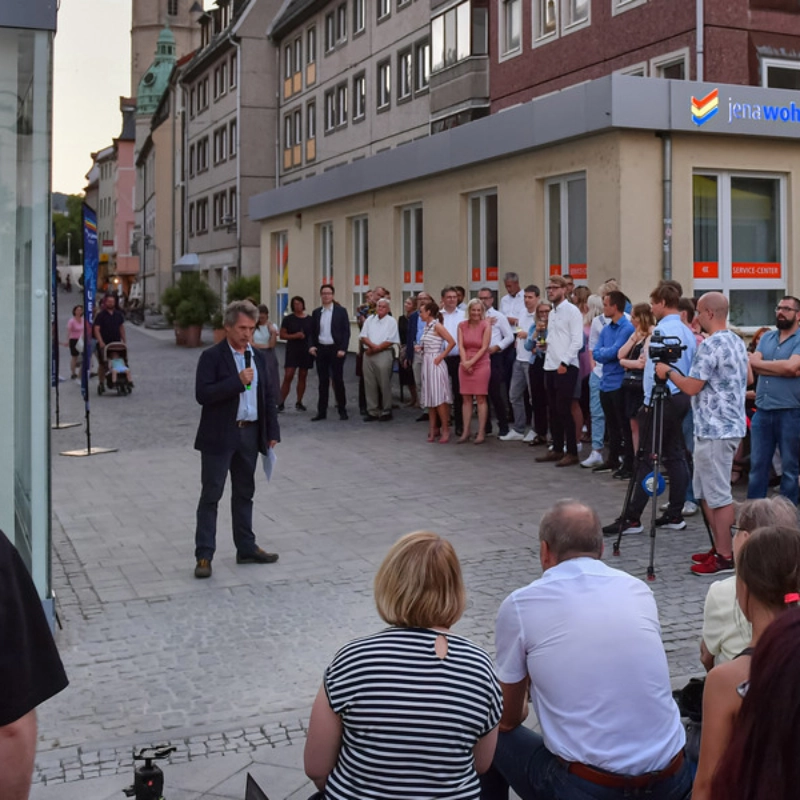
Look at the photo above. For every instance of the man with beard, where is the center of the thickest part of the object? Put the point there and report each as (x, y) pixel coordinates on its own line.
(776, 362)
(717, 383)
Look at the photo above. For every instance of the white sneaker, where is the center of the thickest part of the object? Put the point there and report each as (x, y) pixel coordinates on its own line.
(689, 508)
(594, 460)
(530, 435)
(664, 506)
(511, 436)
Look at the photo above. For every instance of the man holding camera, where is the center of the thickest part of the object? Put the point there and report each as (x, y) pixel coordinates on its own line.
(664, 303)
(717, 384)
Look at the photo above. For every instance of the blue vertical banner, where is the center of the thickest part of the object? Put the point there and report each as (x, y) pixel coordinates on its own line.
(54, 314)
(90, 264)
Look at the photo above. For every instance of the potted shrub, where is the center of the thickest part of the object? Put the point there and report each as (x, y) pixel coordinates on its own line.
(188, 305)
(248, 287)
(217, 327)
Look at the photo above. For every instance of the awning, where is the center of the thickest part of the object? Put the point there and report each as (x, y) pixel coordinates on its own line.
(188, 262)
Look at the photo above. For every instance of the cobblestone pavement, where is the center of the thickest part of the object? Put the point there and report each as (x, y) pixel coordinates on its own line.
(231, 664)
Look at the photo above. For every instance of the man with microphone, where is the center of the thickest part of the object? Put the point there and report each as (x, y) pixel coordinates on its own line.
(237, 388)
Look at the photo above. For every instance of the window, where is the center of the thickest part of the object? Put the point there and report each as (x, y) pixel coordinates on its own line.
(311, 45)
(552, 18)
(298, 54)
(220, 144)
(311, 121)
(405, 75)
(325, 253)
(330, 32)
(510, 27)
(341, 23)
(359, 96)
(202, 154)
(192, 156)
(384, 84)
(576, 12)
(330, 110)
(232, 138)
(739, 224)
(674, 66)
(219, 209)
(483, 239)
(618, 6)
(288, 135)
(565, 221)
(223, 77)
(780, 74)
(280, 260)
(234, 70)
(232, 207)
(422, 65)
(358, 16)
(341, 104)
(192, 98)
(638, 70)
(360, 233)
(288, 62)
(384, 8)
(411, 243)
(172, 8)
(202, 216)
(458, 33)
(192, 219)
(297, 124)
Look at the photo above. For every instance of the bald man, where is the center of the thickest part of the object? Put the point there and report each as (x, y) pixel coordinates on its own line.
(716, 382)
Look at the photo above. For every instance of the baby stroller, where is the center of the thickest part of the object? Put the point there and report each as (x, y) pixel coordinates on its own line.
(116, 352)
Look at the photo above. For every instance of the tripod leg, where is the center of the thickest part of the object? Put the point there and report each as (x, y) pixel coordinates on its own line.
(640, 455)
(707, 523)
(658, 441)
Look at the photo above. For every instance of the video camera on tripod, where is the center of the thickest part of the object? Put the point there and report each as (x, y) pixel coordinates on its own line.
(665, 349)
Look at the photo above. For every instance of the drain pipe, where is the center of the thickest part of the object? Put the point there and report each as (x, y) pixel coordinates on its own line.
(700, 41)
(666, 204)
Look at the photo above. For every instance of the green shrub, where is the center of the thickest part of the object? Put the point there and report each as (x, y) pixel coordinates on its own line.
(245, 288)
(191, 301)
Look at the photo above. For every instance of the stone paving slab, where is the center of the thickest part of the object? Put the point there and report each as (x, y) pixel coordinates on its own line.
(154, 655)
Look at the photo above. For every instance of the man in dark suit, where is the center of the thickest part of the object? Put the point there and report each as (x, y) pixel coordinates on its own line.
(237, 388)
(330, 335)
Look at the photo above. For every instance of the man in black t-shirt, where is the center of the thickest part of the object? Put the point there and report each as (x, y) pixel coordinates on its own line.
(109, 326)
(30, 671)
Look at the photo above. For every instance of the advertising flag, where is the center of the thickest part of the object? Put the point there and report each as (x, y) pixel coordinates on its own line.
(90, 264)
(54, 315)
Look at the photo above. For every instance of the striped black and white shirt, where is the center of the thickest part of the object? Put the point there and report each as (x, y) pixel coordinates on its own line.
(410, 719)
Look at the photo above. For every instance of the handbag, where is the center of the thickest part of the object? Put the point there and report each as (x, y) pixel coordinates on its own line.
(79, 345)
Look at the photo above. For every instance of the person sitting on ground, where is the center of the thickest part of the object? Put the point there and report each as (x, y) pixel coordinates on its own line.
(767, 583)
(410, 711)
(725, 630)
(584, 642)
(762, 761)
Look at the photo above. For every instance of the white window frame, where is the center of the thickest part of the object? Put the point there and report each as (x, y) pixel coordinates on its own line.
(341, 23)
(359, 97)
(422, 65)
(639, 70)
(505, 8)
(359, 241)
(311, 120)
(725, 282)
(311, 45)
(233, 71)
(658, 63)
(233, 142)
(326, 264)
(232, 205)
(621, 6)
(341, 105)
(384, 97)
(408, 217)
(297, 124)
(329, 100)
(383, 9)
(563, 182)
(330, 32)
(570, 27)
(484, 279)
(359, 16)
(562, 27)
(778, 63)
(405, 69)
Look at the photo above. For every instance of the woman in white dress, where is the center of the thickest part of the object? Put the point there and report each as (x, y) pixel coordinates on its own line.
(435, 344)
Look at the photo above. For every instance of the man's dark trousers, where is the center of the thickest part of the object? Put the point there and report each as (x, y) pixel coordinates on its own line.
(453, 363)
(241, 463)
(330, 368)
(619, 431)
(498, 390)
(538, 396)
(560, 389)
(673, 455)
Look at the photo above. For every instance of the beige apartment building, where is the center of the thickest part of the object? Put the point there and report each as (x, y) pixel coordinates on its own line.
(229, 95)
(631, 178)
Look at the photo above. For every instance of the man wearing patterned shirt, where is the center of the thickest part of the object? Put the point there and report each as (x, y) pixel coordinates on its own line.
(716, 382)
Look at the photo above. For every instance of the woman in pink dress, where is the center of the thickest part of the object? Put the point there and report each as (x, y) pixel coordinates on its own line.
(474, 335)
(436, 392)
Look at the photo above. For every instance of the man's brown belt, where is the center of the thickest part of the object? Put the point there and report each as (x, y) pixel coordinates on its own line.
(613, 781)
(243, 423)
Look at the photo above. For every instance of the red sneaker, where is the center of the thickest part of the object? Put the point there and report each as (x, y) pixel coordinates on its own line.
(700, 558)
(717, 565)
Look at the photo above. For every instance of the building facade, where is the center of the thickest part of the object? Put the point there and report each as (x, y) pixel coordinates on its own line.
(229, 93)
(123, 261)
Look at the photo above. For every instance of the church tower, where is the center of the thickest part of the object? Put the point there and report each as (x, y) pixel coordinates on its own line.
(148, 18)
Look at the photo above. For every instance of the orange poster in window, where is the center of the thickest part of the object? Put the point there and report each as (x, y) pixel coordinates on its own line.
(745, 269)
(491, 273)
(476, 275)
(406, 277)
(555, 269)
(418, 279)
(706, 269)
(358, 280)
(578, 272)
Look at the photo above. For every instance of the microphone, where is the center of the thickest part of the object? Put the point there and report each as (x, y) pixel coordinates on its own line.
(248, 356)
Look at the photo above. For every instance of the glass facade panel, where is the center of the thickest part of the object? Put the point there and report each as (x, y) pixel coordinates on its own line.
(576, 227)
(755, 221)
(554, 228)
(25, 135)
(706, 223)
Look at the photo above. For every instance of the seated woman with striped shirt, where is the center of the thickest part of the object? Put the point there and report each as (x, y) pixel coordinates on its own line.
(410, 711)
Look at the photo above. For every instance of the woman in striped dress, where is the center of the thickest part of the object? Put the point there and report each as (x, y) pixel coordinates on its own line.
(411, 711)
(436, 391)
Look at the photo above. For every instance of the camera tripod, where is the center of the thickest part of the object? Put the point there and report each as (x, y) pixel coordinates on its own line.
(653, 483)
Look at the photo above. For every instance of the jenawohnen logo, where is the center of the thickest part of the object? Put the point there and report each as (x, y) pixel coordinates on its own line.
(705, 108)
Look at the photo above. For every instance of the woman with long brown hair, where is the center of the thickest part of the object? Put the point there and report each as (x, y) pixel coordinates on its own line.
(632, 357)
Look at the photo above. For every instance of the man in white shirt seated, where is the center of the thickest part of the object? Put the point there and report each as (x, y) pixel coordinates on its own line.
(584, 643)
(378, 336)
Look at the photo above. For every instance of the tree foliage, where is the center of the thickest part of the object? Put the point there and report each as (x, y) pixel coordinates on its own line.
(71, 223)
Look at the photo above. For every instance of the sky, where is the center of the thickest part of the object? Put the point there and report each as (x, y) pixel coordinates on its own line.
(91, 71)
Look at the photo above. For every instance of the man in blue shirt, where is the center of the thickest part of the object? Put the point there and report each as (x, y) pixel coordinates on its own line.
(777, 420)
(664, 302)
(612, 337)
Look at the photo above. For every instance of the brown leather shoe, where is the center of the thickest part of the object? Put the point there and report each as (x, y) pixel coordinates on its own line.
(258, 556)
(550, 455)
(203, 568)
(568, 461)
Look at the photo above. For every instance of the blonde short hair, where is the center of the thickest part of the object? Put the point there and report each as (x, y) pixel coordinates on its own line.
(476, 302)
(419, 583)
